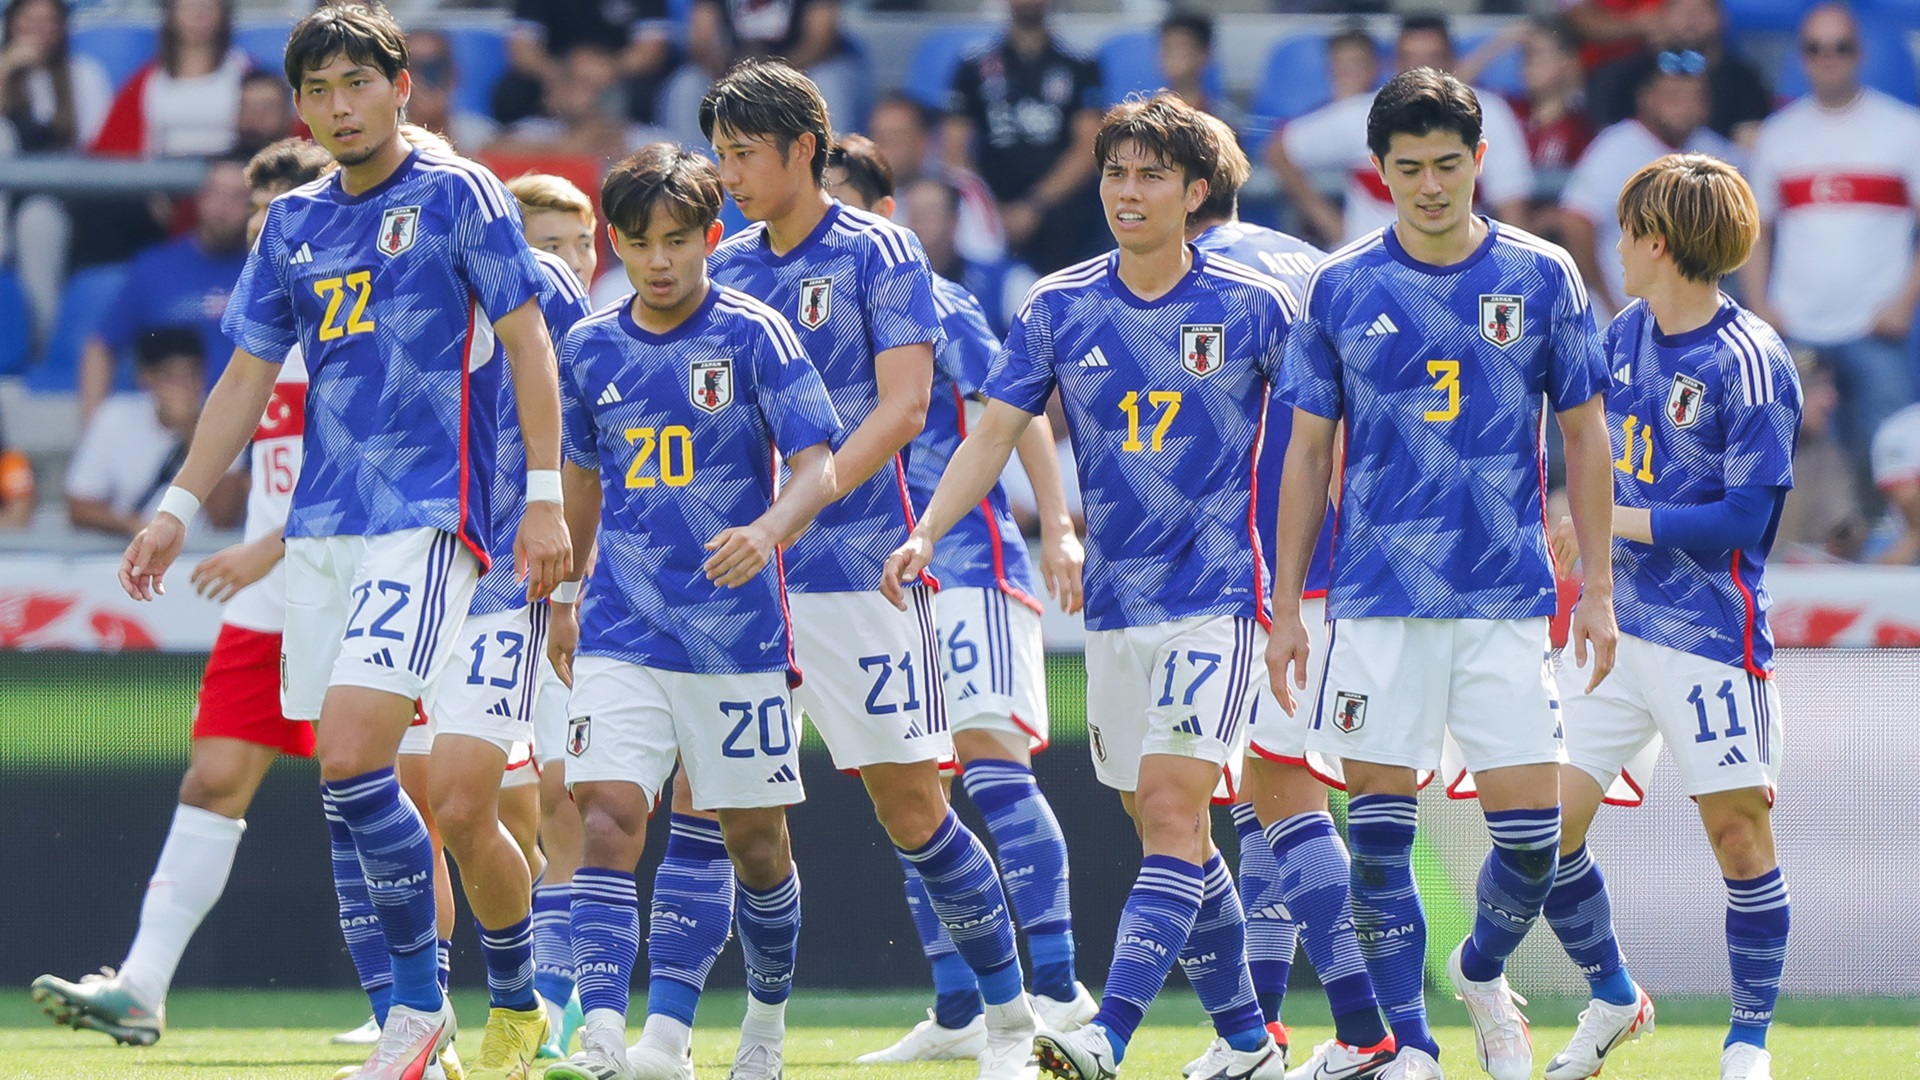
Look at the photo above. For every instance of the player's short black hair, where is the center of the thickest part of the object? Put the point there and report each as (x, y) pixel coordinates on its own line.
(1162, 126)
(288, 163)
(1197, 23)
(164, 343)
(362, 32)
(665, 175)
(766, 97)
(1419, 102)
(868, 170)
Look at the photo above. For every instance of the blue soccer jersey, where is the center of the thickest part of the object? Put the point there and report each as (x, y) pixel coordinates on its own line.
(391, 295)
(1692, 415)
(984, 549)
(683, 428)
(1440, 373)
(858, 286)
(1165, 400)
(1291, 260)
(562, 303)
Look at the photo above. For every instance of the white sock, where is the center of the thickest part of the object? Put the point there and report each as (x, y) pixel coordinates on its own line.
(605, 1029)
(667, 1034)
(765, 1019)
(187, 882)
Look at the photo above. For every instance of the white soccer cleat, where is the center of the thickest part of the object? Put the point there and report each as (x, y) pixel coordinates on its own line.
(1085, 1053)
(1745, 1061)
(1203, 1065)
(365, 1035)
(1413, 1064)
(928, 1041)
(1335, 1060)
(603, 1056)
(1267, 1063)
(758, 1059)
(1501, 1039)
(650, 1062)
(1066, 1015)
(1011, 1028)
(410, 1044)
(1603, 1029)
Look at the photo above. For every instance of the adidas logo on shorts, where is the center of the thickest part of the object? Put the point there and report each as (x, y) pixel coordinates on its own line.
(783, 775)
(1189, 726)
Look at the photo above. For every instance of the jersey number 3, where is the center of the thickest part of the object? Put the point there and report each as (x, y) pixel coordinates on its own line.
(1446, 379)
(334, 291)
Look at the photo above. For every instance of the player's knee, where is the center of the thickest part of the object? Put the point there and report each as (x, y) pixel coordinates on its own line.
(465, 819)
(1739, 841)
(1167, 818)
(761, 858)
(1534, 864)
(213, 790)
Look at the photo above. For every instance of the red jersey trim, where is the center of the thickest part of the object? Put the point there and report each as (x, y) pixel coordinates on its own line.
(464, 529)
(1748, 623)
(1844, 189)
(906, 508)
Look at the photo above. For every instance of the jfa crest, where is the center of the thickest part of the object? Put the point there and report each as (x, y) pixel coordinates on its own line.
(710, 383)
(398, 227)
(1684, 399)
(579, 730)
(1349, 711)
(1502, 318)
(816, 301)
(1201, 348)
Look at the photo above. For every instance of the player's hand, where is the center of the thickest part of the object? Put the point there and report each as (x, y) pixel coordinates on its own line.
(739, 554)
(222, 575)
(903, 568)
(1061, 560)
(542, 551)
(1594, 628)
(150, 555)
(1287, 644)
(563, 637)
(1565, 545)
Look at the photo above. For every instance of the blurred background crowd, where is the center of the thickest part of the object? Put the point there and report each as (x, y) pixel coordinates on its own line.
(124, 127)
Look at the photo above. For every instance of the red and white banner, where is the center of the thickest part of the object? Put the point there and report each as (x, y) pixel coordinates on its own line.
(56, 602)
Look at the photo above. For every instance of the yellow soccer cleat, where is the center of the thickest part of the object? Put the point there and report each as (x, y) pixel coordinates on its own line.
(512, 1041)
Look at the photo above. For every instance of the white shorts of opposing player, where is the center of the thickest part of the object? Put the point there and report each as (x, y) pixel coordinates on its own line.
(1184, 687)
(993, 664)
(870, 676)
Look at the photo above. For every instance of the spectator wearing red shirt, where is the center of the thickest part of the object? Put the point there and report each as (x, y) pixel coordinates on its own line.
(1611, 29)
(185, 102)
(1554, 112)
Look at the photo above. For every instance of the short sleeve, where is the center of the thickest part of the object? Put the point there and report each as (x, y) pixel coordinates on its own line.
(899, 294)
(1576, 367)
(1279, 316)
(579, 437)
(792, 398)
(259, 316)
(1587, 192)
(966, 355)
(1310, 371)
(489, 246)
(1022, 375)
(562, 302)
(1760, 412)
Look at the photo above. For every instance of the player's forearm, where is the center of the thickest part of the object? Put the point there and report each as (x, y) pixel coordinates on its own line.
(1304, 476)
(580, 492)
(974, 468)
(536, 395)
(1042, 464)
(808, 490)
(1590, 490)
(227, 422)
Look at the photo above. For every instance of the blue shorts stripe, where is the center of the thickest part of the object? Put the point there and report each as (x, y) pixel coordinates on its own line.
(1240, 671)
(1333, 629)
(536, 648)
(1002, 644)
(932, 692)
(433, 604)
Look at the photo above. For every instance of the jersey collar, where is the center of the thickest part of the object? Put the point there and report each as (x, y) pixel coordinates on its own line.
(1392, 242)
(1127, 296)
(399, 173)
(690, 325)
(1705, 331)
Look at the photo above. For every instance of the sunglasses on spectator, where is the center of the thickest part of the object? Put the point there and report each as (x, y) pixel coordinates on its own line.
(1688, 62)
(1822, 48)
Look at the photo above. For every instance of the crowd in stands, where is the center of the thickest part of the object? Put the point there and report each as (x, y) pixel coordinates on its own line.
(993, 171)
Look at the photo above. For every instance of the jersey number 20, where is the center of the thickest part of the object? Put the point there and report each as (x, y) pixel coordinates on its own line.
(672, 445)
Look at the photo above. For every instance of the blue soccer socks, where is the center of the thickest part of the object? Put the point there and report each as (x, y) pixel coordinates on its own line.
(1581, 916)
(1514, 882)
(1757, 923)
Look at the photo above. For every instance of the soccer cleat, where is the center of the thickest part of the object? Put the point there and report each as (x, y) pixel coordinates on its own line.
(1011, 1027)
(1066, 1015)
(1501, 1039)
(448, 1062)
(1335, 1060)
(928, 1041)
(555, 1047)
(1745, 1061)
(365, 1035)
(1412, 1064)
(410, 1044)
(1603, 1029)
(758, 1059)
(1204, 1064)
(1267, 1063)
(592, 1064)
(101, 1003)
(650, 1062)
(1085, 1053)
(512, 1040)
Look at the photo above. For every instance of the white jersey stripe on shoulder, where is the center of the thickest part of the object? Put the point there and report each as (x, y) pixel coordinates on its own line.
(1338, 256)
(892, 248)
(1522, 239)
(1072, 277)
(490, 206)
(779, 331)
(1750, 378)
(1246, 275)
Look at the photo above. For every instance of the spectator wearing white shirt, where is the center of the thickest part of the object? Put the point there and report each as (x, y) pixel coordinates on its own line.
(1896, 472)
(1837, 176)
(1670, 118)
(1333, 139)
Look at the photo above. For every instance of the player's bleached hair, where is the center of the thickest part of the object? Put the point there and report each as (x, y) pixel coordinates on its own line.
(538, 192)
(1163, 127)
(664, 175)
(1232, 174)
(1420, 102)
(287, 164)
(427, 139)
(362, 32)
(868, 170)
(768, 98)
(1701, 206)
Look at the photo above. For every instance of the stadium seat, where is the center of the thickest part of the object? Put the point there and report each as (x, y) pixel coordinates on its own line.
(1130, 63)
(930, 75)
(479, 59)
(265, 42)
(1765, 14)
(85, 299)
(1503, 75)
(1886, 61)
(121, 48)
(16, 327)
(1296, 81)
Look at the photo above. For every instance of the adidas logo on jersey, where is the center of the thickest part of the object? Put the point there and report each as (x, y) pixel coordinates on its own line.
(1276, 912)
(1189, 726)
(1094, 358)
(783, 775)
(609, 396)
(301, 257)
(501, 708)
(1734, 757)
(1381, 327)
(383, 658)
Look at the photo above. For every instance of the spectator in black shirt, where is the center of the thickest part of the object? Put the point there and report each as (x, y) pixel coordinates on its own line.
(1739, 96)
(638, 32)
(806, 33)
(1023, 114)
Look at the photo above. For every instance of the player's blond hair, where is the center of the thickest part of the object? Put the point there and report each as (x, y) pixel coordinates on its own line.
(1701, 206)
(538, 191)
(431, 141)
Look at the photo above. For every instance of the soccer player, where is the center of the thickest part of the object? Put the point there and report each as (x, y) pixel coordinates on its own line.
(1706, 404)
(1293, 867)
(1163, 356)
(676, 403)
(1435, 341)
(859, 294)
(403, 278)
(992, 665)
(238, 729)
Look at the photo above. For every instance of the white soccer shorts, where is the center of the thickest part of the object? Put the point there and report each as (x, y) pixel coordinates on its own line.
(382, 612)
(1273, 734)
(550, 716)
(993, 664)
(737, 736)
(870, 676)
(1184, 687)
(522, 770)
(1396, 688)
(491, 687)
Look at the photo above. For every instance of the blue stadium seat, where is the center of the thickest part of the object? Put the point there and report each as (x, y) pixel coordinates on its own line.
(479, 59)
(1886, 61)
(15, 324)
(121, 48)
(265, 42)
(1765, 14)
(1130, 63)
(1503, 75)
(83, 302)
(1296, 81)
(930, 75)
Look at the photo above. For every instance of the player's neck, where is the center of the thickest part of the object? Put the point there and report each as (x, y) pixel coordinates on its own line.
(1151, 275)
(667, 320)
(1196, 226)
(1442, 249)
(355, 179)
(784, 233)
(1679, 305)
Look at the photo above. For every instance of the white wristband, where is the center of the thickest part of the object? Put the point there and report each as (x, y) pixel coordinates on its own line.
(543, 485)
(181, 503)
(567, 592)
